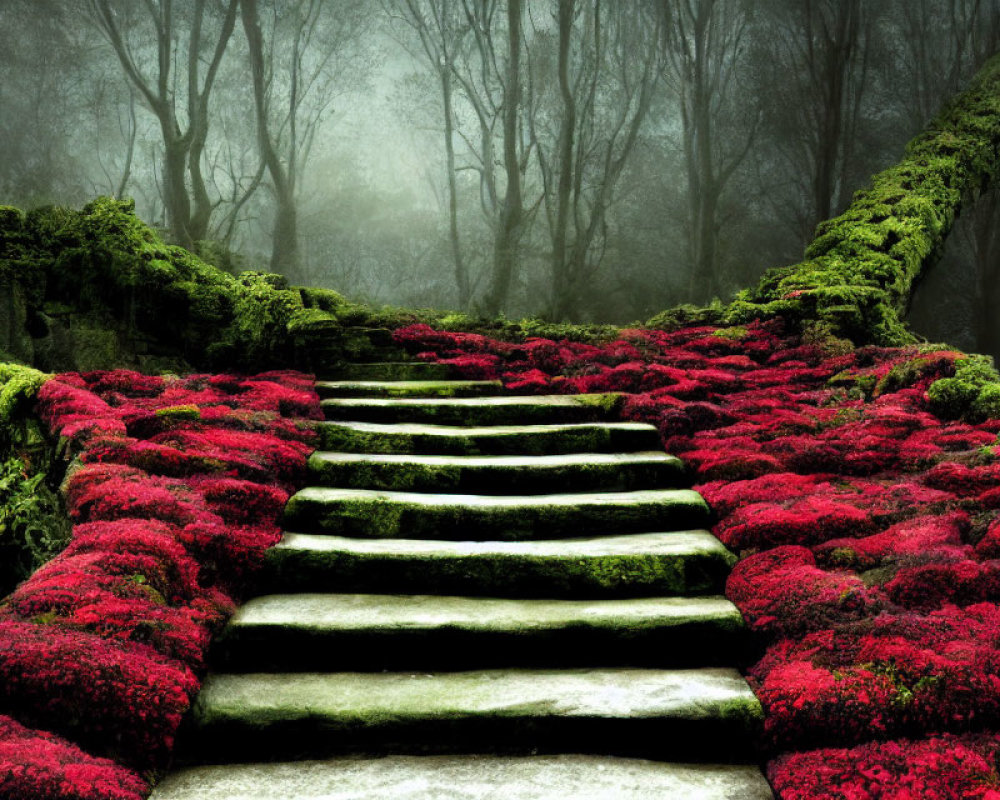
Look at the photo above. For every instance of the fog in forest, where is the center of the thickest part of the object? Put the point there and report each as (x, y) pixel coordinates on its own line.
(580, 160)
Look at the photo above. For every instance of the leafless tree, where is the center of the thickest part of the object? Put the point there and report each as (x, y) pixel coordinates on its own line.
(441, 29)
(607, 67)
(820, 65)
(704, 42)
(162, 52)
(299, 52)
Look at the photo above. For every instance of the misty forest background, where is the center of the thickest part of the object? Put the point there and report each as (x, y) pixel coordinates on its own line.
(584, 160)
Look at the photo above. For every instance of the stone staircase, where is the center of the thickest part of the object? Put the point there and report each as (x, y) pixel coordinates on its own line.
(481, 596)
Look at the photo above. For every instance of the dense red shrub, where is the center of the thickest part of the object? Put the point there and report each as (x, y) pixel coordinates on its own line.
(35, 765)
(919, 540)
(124, 699)
(869, 531)
(782, 591)
(938, 768)
(176, 495)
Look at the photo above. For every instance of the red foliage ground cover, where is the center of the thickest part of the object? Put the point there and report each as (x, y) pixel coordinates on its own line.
(868, 530)
(175, 490)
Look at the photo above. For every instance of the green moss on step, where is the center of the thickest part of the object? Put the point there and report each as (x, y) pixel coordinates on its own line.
(609, 403)
(357, 513)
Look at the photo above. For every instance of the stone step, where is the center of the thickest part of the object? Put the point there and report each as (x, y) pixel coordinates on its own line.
(325, 350)
(640, 565)
(415, 515)
(593, 437)
(584, 472)
(506, 410)
(393, 371)
(478, 777)
(328, 389)
(681, 714)
(324, 632)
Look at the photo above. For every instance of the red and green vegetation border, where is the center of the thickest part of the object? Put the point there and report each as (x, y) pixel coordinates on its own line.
(859, 485)
(868, 525)
(175, 488)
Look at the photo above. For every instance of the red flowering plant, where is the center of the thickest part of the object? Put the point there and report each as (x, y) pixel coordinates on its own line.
(868, 529)
(175, 490)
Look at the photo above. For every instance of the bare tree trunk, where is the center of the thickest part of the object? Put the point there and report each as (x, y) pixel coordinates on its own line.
(505, 247)
(189, 208)
(130, 149)
(703, 193)
(461, 270)
(837, 28)
(703, 44)
(567, 134)
(175, 193)
(284, 252)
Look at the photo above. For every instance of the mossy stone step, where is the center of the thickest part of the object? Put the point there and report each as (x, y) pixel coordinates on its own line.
(322, 632)
(323, 351)
(327, 389)
(592, 437)
(583, 472)
(505, 410)
(415, 515)
(392, 371)
(678, 714)
(649, 564)
(478, 777)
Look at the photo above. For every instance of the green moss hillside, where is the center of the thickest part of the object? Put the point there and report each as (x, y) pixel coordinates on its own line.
(98, 288)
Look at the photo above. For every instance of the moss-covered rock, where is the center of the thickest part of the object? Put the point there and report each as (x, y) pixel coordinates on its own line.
(684, 316)
(973, 392)
(100, 288)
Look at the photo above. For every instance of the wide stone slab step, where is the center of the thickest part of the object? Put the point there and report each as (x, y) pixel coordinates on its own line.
(594, 437)
(415, 515)
(640, 565)
(407, 388)
(323, 632)
(583, 472)
(478, 777)
(393, 371)
(506, 410)
(676, 714)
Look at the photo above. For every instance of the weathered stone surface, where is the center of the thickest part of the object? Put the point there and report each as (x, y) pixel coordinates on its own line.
(503, 410)
(595, 437)
(676, 563)
(497, 474)
(426, 388)
(393, 371)
(369, 631)
(645, 712)
(478, 777)
(380, 514)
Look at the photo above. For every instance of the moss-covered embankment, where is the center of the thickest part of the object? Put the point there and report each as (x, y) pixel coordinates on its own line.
(860, 270)
(98, 288)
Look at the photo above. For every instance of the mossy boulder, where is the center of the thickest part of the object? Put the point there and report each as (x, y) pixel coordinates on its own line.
(126, 298)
